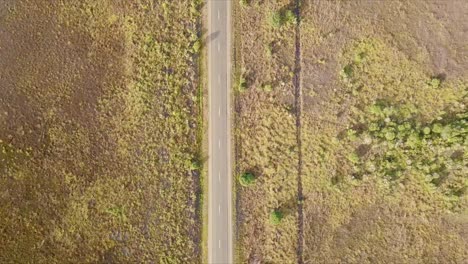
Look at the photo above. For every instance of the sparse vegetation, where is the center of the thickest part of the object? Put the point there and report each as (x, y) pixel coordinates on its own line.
(266, 133)
(99, 146)
(382, 128)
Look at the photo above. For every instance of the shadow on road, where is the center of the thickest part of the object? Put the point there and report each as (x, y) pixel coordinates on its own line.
(212, 36)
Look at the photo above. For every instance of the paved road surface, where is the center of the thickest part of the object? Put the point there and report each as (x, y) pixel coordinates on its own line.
(219, 219)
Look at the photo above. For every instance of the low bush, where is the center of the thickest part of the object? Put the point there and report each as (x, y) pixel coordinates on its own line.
(283, 18)
(242, 84)
(247, 179)
(276, 217)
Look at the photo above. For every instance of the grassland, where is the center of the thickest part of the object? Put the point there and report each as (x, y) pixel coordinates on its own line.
(365, 159)
(100, 132)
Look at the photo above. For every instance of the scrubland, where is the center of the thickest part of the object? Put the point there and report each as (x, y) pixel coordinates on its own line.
(100, 132)
(364, 158)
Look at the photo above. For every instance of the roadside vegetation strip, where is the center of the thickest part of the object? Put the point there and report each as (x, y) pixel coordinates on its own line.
(267, 205)
(99, 162)
(235, 92)
(378, 167)
(202, 133)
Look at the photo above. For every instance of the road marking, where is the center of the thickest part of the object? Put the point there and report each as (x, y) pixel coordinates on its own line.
(219, 176)
(219, 111)
(219, 243)
(218, 14)
(219, 143)
(219, 47)
(219, 79)
(219, 209)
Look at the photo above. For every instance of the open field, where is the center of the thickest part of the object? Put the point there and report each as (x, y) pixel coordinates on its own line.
(100, 132)
(365, 161)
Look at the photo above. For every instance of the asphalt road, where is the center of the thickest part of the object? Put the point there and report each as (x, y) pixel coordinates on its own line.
(220, 201)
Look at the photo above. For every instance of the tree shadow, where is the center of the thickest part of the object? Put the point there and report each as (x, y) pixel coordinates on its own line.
(212, 36)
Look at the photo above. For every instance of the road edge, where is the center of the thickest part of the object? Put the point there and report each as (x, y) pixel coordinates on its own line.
(229, 103)
(203, 133)
(210, 217)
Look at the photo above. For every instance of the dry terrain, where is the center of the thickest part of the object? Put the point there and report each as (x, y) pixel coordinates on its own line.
(100, 131)
(351, 131)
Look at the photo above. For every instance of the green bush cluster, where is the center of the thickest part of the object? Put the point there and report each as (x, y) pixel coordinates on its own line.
(391, 143)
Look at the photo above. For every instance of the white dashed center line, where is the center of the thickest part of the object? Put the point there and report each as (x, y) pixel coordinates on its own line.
(219, 243)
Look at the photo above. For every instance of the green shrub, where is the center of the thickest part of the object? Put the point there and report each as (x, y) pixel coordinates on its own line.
(276, 217)
(434, 82)
(389, 135)
(247, 179)
(242, 85)
(196, 46)
(244, 3)
(289, 18)
(196, 164)
(275, 20)
(283, 18)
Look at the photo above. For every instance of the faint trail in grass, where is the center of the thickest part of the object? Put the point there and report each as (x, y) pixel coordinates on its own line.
(298, 106)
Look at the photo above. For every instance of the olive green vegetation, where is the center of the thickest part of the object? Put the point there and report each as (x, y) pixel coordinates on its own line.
(394, 137)
(393, 144)
(276, 217)
(383, 133)
(99, 138)
(242, 85)
(244, 2)
(397, 166)
(284, 17)
(247, 179)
